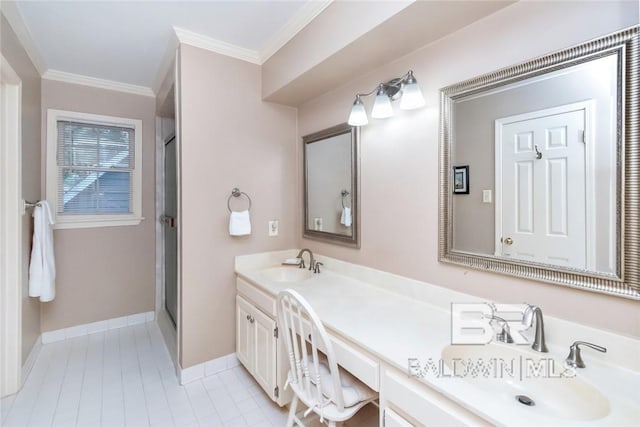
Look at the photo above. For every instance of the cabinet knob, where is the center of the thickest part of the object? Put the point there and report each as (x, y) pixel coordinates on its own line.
(248, 317)
(251, 319)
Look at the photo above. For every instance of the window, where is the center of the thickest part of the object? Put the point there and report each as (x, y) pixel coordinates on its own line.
(93, 169)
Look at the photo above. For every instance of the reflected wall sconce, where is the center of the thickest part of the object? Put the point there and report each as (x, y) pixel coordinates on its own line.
(404, 88)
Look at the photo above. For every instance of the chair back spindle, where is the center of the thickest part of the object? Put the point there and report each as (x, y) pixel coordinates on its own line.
(294, 313)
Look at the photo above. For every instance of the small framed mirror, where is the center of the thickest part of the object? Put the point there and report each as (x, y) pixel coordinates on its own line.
(331, 204)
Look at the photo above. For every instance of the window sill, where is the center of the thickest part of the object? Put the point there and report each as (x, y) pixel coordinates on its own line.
(64, 224)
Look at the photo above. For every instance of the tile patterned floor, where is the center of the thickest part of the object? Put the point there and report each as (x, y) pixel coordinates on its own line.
(125, 377)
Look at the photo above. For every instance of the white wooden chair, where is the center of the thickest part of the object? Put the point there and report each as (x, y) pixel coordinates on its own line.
(332, 393)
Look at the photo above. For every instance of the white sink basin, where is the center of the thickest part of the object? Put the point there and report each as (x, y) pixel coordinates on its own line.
(287, 274)
(513, 372)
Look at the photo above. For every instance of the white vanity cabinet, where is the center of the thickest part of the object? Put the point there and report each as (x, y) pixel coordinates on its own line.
(257, 345)
(419, 404)
(403, 401)
(376, 321)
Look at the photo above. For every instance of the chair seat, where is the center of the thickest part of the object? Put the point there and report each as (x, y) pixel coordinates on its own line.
(354, 391)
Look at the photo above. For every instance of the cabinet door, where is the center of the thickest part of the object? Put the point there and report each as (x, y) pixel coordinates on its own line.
(265, 352)
(244, 333)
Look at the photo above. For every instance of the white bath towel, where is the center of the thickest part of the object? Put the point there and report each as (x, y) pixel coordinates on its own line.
(345, 218)
(240, 223)
(42, 269)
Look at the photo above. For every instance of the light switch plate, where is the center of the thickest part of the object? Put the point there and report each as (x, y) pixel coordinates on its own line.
(317, 224)
(486, 196)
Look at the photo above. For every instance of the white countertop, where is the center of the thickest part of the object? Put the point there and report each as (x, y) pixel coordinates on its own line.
(396, 327)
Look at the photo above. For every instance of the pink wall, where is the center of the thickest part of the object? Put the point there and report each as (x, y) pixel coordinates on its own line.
(399, 156)
(104, 272)
(17, 57)
(228, 138)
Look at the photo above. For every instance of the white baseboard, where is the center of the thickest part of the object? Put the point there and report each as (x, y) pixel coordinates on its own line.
(95, 327)
(31, 359)
(208, 368)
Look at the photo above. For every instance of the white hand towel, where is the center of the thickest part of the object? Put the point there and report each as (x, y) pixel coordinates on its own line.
(239, 223)
(42, 269)
(345, 218)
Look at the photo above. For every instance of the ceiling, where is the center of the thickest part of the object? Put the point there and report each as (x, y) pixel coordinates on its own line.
(130, 45)
(129, 41)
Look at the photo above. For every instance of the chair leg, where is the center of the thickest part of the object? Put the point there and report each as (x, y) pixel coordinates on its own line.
(292, 411)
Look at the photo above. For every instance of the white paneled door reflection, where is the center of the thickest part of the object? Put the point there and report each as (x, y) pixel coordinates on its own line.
(541, 186)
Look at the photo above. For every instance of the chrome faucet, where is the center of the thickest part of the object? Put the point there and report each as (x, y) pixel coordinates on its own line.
(575, 359)
(311, 261)
(316, 267)
(505, 332)
(531, 313)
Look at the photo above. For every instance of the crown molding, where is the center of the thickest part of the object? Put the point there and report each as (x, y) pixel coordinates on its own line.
(301, 19)
(217, 46)
(11, 12)
(63, 76)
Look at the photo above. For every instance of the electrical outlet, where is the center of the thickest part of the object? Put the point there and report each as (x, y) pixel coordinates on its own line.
(273, 228)
(317, 224)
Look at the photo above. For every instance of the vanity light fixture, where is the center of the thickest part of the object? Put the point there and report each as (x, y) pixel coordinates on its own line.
(406, 88)
(358, 116)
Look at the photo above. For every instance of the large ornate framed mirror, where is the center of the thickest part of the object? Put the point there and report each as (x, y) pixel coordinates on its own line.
(331, 204)
(551, 150)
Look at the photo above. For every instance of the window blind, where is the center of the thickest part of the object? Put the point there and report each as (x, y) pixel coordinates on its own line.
(95, 169)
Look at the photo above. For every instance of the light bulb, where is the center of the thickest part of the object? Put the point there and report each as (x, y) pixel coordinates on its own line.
(411, 94)
(358, 116)
(382, 105)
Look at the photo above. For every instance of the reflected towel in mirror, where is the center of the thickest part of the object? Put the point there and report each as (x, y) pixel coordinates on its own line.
(345, 218)
(240, 223)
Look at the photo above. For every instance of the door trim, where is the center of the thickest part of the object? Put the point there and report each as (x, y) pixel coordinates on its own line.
(588, 107)
(11, 211)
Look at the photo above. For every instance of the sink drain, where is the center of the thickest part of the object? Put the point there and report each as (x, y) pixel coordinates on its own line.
(525, 400)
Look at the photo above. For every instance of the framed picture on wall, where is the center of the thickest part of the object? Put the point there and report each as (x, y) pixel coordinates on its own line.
(461, 179)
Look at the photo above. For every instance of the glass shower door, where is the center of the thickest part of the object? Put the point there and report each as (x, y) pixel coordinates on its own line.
(170, 231)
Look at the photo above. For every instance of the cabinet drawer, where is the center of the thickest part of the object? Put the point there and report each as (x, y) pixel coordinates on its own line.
(363, 367)
(260, 299)
(424, 404)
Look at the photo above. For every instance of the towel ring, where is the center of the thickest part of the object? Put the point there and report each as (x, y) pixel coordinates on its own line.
(344, 193)
(28, 204)
(237, 193)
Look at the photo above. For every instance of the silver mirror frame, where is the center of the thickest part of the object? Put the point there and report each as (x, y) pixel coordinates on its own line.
(340, 239)
(626, 44)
